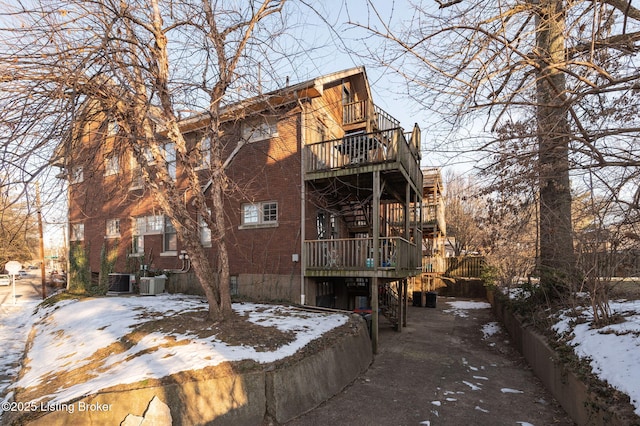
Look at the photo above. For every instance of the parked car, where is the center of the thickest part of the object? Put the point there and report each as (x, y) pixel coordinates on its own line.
(5, 279)
(21, 274)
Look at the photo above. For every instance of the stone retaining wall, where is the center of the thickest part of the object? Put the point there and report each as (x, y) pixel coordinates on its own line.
(230, 397)
(584, 407)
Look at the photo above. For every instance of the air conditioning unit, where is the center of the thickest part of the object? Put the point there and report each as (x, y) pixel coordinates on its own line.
(151, 285)
(120, 283)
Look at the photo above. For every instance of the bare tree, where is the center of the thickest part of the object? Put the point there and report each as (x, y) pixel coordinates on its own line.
(554, 80)
(463, 207)
(141, 63)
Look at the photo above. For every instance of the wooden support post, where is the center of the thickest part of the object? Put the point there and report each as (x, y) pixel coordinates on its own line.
(401, 305)
(374, 314)
(376, 261)
(406, 302)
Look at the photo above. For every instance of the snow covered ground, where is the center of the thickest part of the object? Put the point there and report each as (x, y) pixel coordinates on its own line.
(15, 325)
(614, 350)
(71, 332)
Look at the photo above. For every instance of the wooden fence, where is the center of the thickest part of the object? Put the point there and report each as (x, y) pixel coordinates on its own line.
(464, 266)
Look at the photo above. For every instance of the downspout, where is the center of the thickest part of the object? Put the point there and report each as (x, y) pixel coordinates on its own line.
(302, 200)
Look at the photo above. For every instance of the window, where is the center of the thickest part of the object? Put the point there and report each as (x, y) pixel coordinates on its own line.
(112, 127)
(77, 232)
(260, 214)
(137, 179)
(77, 174)
(204, 153)
(137, 247)
(250, 214)
(149, 224)
(137, 238)
(205, 232)
(170, 237)
(170, 159)
(111, 165)
(113, 228)
(233, 285)
(265, 128)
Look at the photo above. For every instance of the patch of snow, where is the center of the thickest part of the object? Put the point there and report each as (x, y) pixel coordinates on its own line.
(507, 390)
(612, 350)
(70, 336)
(481, 409)
(490, 329)
(472, 386)
(436, 403)
(460, 307)
(14, 330)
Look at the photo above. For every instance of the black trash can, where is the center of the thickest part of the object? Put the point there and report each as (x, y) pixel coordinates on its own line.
(431, 299)
(417, 299)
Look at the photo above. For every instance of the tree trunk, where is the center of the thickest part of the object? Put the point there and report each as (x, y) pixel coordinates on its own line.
(222, 260)
(557, 259)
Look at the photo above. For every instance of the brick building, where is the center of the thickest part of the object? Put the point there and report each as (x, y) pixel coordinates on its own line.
(325, 206)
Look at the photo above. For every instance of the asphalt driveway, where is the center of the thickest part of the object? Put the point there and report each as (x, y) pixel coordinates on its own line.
(452, 365)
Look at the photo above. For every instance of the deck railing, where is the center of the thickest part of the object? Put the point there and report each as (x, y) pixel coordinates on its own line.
(355, 112)
(360, 111)
(363, 149)
(358, 254)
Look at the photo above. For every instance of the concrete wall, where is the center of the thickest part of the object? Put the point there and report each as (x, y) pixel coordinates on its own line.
(259, 287)
(227, 394)
(583, 405)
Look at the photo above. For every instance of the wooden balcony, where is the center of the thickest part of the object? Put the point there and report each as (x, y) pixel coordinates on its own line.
(358, 112)
(386, 150)
(354, 257)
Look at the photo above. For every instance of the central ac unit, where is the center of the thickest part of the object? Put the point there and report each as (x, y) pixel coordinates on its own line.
(151, 285)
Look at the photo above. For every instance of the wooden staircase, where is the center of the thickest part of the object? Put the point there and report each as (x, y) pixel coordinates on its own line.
(389, 303)
(357, 216)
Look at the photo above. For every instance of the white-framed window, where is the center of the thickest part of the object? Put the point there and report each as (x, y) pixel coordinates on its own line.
(260, 214)
(205, 231)
(170, 159)
(111, 165)
(137, 245)
(203, 148)
(263, 128)
(112, 127)
(170, 237)
(113, 228)
(77, 174)
(145, 225)
(137, 238)
(77, 232)
(137, 179)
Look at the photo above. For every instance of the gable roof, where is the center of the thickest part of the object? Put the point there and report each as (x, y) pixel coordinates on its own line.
(307, 89)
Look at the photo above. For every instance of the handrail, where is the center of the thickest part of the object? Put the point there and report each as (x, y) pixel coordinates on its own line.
(358, 254)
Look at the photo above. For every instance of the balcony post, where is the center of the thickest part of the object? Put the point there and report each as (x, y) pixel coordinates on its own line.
(376, 261)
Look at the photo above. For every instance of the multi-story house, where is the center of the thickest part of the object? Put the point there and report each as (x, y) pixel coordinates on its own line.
(324, 207)
(434, 228)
